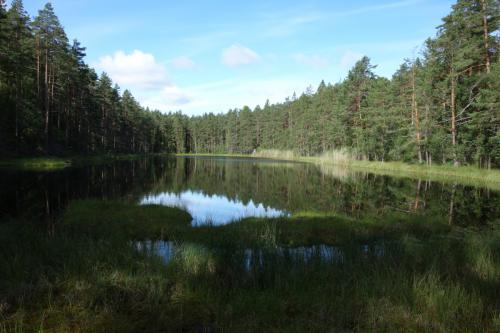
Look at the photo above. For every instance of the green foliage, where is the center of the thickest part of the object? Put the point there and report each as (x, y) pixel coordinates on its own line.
(440, 108)
(390, 275)
(53, 103)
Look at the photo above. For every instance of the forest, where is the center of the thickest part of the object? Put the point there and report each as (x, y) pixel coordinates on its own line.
(377, 208)
(440, 107)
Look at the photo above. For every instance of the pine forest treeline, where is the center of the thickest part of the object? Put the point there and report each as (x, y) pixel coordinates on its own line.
(51, 102)
(440, 107)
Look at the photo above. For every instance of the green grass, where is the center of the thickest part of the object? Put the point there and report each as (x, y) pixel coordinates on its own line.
(394, 274)
(54, 163)
(38, 163)
(113, 219)
(467, 175)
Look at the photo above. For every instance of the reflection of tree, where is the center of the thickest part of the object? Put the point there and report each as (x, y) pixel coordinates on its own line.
(303, 187)
(286, 186)
(452, 203)
(45, 195)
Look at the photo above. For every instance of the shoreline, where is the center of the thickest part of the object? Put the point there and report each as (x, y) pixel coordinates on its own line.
(467, 175)
(55, 163)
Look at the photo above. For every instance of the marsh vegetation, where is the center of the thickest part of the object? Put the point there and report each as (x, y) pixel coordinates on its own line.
(351, 251)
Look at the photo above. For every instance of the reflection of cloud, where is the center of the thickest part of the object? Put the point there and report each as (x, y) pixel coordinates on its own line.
(238, 55)
(213, 208)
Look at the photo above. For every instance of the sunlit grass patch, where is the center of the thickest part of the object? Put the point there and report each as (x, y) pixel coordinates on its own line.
(36, 164)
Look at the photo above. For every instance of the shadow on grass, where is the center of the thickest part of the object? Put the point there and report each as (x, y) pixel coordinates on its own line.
(253, 275)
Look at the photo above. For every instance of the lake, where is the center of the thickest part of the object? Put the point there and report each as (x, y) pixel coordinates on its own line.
(219, 190)
(335, 250)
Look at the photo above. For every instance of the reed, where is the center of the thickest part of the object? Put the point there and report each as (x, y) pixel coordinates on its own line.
(253, 275)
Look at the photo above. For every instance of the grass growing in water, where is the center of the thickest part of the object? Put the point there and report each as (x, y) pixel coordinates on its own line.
(41, 163)
(392, 275)
(54, 163)
(122, 219)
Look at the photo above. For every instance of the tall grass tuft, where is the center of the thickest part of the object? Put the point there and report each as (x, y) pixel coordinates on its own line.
(469, 175)
(254, 275)
(341, 157)
(276, 154)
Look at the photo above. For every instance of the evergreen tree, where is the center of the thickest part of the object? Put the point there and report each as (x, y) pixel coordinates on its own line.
(442, 107)
(51, 44)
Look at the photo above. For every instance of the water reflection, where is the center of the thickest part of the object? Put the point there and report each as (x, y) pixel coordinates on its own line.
(211, 209)
(224, 189)
(257, 259)
(163, 249)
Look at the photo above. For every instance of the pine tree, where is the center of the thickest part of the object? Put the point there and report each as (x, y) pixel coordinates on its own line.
(51, 44)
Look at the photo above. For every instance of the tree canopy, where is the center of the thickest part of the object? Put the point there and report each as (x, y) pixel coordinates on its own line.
(442, 106)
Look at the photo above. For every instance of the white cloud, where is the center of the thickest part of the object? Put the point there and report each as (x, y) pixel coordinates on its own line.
(220, 96)
(175, 95)
(169, 98)
(238, 55)
(183, 62)
(349, 58)
(146, 78)
(137, 69)
(313, 60)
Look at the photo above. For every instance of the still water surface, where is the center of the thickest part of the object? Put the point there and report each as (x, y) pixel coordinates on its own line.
(223, 190)
(215, 209)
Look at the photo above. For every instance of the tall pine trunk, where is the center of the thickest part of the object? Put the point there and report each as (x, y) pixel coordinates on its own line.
(485, 36)
(453, 118)
(414, 104)
(47, 102)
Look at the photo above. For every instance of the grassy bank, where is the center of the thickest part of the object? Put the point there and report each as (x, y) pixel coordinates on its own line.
(54, 163)
(464, 175)
(87, 274)
(467, 175)
(37, 163)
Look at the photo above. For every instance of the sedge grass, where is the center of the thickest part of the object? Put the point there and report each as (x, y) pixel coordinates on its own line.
(395, 275)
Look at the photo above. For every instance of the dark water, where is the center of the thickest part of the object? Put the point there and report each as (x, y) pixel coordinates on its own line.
(221, 190)
(252, 259)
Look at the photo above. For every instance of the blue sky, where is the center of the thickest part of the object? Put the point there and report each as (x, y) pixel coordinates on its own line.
(210, 56)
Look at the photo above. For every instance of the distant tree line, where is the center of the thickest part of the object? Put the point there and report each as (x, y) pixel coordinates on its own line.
(443, 106)
(52, 102)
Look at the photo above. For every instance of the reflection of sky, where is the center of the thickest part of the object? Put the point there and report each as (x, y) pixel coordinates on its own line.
(215, 209)
(256, 258)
